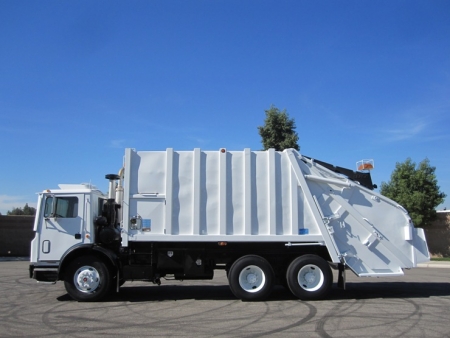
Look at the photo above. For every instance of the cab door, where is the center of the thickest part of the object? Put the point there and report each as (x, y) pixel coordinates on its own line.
(61, 225)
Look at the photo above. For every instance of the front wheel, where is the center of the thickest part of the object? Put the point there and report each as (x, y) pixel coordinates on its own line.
(87, 279)
(309, 277)
(251, 278)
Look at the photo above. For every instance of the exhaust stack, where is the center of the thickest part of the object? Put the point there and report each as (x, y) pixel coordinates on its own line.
(112, 185)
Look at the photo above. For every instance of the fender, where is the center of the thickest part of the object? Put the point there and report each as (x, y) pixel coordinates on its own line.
(81, 249)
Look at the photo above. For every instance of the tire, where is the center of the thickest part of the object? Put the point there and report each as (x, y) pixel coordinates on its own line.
(87, 279)
(309, 277)
(251, 278)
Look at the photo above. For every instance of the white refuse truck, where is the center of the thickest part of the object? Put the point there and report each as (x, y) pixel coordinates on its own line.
(265, 217)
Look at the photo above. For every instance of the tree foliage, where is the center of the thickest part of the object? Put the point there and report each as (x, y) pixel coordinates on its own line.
(278, 131)
(416, 189)
(26, 210)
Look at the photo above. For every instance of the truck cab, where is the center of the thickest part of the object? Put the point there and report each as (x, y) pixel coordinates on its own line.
(64, 222)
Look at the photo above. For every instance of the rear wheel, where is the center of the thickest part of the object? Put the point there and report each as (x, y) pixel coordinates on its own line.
(87, 279)
(309, 277)
(251, 278)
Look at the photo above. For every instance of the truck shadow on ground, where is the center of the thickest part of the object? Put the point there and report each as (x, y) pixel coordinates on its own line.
(223, 292)
(370, 290)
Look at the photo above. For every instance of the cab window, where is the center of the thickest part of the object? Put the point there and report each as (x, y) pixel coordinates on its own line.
(65, 207)
(48, 206)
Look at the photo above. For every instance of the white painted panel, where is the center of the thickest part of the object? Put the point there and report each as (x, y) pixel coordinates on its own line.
(151, 211)
(236, 197)
(211, 194)
(268, 196)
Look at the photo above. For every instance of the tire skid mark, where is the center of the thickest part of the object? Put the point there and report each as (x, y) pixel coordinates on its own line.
(311, 314)
(48, 322)
(435, 314)
(340, 311)
(10, 323)
(115, 325)
(108, 325)
(254, 321)
(168, 320)
(417, 312)
(236, 316)
(388, 320)
(236, 320)
(133, 308)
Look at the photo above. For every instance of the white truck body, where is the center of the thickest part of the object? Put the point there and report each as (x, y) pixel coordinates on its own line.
(267, 196)
(197, 197)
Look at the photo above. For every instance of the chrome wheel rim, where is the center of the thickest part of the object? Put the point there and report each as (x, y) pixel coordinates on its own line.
(252, 278)
(86, 279)
(310, 277)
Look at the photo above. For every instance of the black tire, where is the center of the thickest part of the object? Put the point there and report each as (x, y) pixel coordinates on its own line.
(251, 278)
(87, 279)
(309, 277)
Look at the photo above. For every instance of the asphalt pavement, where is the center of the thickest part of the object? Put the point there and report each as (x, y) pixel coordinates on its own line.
(414, 305)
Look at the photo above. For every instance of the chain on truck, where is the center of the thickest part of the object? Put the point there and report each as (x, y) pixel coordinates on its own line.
(265, 217)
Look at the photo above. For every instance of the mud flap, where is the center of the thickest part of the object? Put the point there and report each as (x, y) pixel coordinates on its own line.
(341, 276)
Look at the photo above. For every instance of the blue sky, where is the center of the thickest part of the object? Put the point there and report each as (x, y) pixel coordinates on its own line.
(82, 80)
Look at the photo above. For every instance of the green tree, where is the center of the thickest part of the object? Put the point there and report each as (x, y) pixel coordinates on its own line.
(416, 189)
(26, 210)
(278, 131)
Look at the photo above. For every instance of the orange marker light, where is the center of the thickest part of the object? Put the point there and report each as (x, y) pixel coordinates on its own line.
(365, 166)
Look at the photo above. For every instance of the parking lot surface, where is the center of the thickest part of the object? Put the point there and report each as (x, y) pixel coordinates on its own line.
(415, 305)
